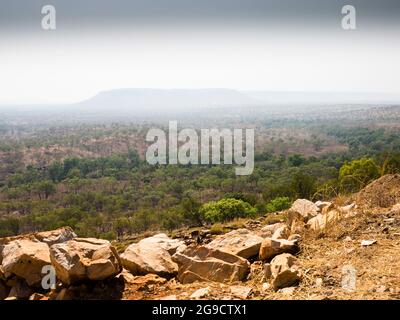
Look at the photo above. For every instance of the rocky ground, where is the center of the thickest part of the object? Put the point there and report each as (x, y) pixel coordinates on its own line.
(345, 249)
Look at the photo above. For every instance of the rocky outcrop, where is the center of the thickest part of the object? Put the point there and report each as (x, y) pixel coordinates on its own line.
(240, 242)
(25, 259)
(49, 237)
(272, 247)
(152, 255)
(302, 210)
(83, 259)
(206, 264)
(283, 271)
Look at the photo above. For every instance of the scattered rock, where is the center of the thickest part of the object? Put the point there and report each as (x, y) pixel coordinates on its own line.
(38, 296)
(266, 286)
(287, 291)
(295, 237)
(200, 293)
(170, 297)
(381, 289)
(241, 292)
(281, 233)
(324, 206)
(285, 272)
(321, 221)
(152, 255)
(395, 209)
(268, 230)
(82, 259)
(319, 282)
(240, 242)
(367, 243)
(272, 247)
(25, 258)
(302, 210)
(206, 264)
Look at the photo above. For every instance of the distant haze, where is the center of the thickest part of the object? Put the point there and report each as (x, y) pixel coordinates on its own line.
(263, 45)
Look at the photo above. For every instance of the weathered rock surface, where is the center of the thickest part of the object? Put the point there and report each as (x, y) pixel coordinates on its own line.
(283, 271)
(25, 258)
(272, 247)
(302, 210)
(162, 240)
(281, 233)
(206, 264)
(55, 236)
(240, 242)
(49, 237)
(83, 259)
(152, 255)
(322, 221)
(268, 230)
(200, 293)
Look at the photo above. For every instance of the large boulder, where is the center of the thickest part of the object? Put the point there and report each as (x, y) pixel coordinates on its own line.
(206, 264)
(152, 255)
(272, 247)
(283, 271)
(25, 258)
(240, 242)
(49, 237)
(82, 259)
(162, 240)
(55, 236)
(302, 210)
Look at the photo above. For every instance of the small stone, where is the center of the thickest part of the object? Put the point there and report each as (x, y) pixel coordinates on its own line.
(366, 243)
(319, 282)
(200, 293)
(381, 289)
(170, 297)
(287, 291)
(266, 286)
(37, 296)
(241, 292)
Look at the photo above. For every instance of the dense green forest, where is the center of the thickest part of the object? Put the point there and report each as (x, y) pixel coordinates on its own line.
(120, 194)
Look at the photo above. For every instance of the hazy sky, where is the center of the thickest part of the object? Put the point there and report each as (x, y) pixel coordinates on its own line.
(250, 45)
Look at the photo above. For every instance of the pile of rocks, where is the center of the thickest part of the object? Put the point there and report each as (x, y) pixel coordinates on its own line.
(226, 258)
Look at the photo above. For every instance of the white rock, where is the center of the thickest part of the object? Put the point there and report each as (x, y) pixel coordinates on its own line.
(200, 293)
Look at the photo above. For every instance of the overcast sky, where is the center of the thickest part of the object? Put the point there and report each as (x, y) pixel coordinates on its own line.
(249, 45)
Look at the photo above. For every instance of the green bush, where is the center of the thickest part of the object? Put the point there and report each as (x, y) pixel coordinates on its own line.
(226, 209)
(356, 174)
(279, 204)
